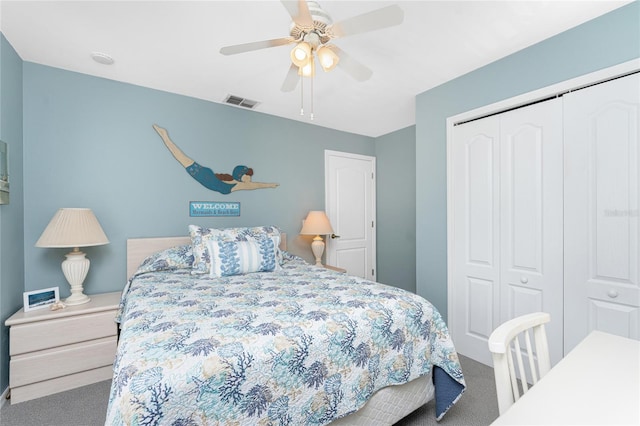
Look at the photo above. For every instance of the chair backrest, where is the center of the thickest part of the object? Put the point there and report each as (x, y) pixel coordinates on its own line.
(505, 342)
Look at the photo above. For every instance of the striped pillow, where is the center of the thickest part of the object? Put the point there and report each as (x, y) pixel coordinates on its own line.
(200, 237)
(241, 257)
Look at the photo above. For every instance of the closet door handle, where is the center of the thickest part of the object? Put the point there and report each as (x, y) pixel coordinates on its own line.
(334, 236)
(612, 294)
(524, 280)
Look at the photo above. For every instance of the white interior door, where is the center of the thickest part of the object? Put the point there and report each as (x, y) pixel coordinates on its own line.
(602, 188)
(350, 205)
(506, 189)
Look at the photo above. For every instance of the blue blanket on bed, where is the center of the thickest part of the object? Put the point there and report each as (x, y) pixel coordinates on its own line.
(300, 345)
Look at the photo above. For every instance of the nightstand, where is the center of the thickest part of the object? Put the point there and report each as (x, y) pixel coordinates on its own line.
(335, 268)
(54, 351)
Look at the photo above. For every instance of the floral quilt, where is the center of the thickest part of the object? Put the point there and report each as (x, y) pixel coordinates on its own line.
(301, 345)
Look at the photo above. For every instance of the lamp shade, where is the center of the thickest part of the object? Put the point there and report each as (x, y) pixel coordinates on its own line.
(316, 223)
(73, 227)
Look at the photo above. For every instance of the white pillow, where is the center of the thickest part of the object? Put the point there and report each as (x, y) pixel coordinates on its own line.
(241, 257)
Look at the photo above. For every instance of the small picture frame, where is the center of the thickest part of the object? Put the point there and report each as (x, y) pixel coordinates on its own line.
(4, 174)
(38, 299)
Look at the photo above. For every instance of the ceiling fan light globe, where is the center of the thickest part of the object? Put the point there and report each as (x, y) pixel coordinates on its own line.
(300, 54)
(328, 58)
(307, 70)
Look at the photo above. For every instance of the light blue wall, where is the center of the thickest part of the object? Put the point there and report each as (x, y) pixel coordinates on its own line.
(88, 142)
(84, 141)
(11, 215)
(606, 41)
(396, 208)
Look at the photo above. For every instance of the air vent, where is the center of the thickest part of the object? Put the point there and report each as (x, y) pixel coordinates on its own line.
(242, 102)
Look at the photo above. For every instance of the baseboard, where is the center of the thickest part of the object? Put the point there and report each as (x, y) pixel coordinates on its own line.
(3, 397)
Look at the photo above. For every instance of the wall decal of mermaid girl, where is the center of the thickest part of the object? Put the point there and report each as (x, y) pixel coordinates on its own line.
(239, 179)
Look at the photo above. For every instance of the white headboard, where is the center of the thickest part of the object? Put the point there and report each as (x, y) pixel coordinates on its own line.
(139, 248)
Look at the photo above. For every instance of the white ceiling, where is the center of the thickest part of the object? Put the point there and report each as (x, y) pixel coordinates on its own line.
(174, 46)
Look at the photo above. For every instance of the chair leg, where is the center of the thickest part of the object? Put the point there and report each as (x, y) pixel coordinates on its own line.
(503, 382)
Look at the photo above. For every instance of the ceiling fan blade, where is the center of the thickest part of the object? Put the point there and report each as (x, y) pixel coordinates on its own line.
(374, 20)
(299, 11)
(354, 68)
(255, 45)
(291, 80)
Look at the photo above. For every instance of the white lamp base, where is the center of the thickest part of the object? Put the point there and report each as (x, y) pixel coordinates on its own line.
(317, 247)
(75, 269)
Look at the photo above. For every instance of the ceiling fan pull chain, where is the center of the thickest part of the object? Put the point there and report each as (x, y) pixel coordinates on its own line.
(311, 115)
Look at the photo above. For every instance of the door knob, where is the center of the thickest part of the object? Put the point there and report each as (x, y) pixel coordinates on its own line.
(612, 294)
(333, 236)
(524, 280)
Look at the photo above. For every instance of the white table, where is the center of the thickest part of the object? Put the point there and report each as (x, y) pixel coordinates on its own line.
(597, 383)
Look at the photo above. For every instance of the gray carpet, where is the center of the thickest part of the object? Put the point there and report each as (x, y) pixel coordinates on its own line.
(87, 406)
(478, 405)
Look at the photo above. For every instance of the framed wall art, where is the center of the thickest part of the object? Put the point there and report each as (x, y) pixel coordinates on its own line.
(4, 174)
(38, 299)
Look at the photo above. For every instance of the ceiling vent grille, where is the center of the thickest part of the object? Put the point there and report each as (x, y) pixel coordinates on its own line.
(241, 102)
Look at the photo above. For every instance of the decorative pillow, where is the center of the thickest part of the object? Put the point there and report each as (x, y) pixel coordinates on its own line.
(201, 236)
(179, 257)
(241, 257)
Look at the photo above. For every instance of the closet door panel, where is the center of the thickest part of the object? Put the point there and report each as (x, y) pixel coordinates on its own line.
(522, 150)
(479, 298)
(612, 318)
(602, 188)
(612, 185)
(531, 216)
(475, 197)
(479, 201)
(524, 300)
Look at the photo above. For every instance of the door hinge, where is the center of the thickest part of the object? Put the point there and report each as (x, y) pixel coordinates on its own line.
(373, 273)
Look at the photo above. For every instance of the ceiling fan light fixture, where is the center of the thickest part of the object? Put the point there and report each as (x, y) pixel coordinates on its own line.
(300, 54)
(328, 58)
(308, 69)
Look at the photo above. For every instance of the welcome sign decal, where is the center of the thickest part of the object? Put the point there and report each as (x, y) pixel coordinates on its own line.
(213, 209)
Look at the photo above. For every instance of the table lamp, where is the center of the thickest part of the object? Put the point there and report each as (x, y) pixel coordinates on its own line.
(75, 228)
(317, 223)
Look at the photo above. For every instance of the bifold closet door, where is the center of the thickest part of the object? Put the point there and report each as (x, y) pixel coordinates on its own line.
(506, 189)
(475, 191)
(531, 243)
(602, 188)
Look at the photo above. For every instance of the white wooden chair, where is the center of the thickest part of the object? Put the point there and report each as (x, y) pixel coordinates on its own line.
(506, 341)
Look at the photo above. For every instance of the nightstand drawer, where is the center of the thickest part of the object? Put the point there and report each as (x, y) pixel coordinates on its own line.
(54, 351)
(61, 331)
(51, 363)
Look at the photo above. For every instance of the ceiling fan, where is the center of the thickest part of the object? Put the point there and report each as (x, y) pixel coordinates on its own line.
(312, 31)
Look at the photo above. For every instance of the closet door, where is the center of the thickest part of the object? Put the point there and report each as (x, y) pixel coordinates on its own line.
(531, 268)
(475, 280)
(506, 189)
(602, 188)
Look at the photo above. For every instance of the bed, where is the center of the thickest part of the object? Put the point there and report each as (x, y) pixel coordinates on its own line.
(289, 343)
